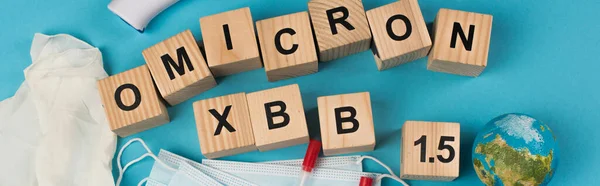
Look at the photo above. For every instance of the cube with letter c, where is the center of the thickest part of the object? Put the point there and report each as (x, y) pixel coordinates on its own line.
(287, 46)
(346, 123)
(223, 125)
(278, 118)
(131, 103)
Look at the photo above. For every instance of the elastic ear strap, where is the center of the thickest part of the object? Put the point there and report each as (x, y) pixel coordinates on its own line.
(393, 177)
(392, 174)
(142, 182)
(147, 154)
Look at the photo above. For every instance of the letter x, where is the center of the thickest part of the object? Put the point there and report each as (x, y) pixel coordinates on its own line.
(222, 120)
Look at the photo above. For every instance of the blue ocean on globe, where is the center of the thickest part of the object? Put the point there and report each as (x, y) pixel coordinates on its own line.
(515, 149)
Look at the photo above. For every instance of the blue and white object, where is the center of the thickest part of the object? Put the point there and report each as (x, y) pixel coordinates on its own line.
(138, 13)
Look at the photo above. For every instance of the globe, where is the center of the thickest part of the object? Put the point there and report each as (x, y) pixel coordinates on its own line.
(515, 149)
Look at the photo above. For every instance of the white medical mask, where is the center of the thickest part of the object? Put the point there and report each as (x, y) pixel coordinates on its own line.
(184, 175)
(270, 174)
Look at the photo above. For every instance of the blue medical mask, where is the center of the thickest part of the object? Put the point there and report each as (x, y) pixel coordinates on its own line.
(273, 174)
(164, 173)
(350, 163)
(160, 174)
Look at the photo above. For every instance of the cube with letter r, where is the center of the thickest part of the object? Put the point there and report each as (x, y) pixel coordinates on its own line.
(346, 123)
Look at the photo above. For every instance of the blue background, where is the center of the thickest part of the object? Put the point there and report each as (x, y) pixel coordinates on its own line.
(541, 62)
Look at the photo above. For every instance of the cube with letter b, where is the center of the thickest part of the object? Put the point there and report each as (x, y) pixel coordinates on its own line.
(461, 42)
(131, 103)
(341, 27)
(223, 125)
(287, 46)
(230, 42)
(346, 123)
(430, 150)
(399, 33)
(278, 117)
(178, 68)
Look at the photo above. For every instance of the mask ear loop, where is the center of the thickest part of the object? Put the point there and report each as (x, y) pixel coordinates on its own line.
(147, 154)
(392, 174)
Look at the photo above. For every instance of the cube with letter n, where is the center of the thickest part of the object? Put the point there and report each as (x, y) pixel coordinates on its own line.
(346, 123)
(278, 117)
(223, 125)
(461, 42)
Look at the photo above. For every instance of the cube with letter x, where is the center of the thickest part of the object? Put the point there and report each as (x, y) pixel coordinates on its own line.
(278, 117)
(223, 125)
(346, 123)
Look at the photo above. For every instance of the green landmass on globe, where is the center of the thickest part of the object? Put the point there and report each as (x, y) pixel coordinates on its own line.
(515, 150)
(513, 166)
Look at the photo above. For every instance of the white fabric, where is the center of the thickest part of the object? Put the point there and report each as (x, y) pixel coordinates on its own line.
(138, 13)
(53, 131)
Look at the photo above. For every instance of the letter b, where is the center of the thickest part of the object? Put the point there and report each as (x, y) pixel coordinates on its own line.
(339, 120)
(280, 113)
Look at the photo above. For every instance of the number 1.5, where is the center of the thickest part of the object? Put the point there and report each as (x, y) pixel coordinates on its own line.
(442, 146)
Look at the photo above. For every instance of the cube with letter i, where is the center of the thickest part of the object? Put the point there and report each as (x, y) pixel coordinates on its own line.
(223, 125)
(278, 118)
(178, 68)
(287, 46)
(399, 33)
(131, 102)
(341, 27)
(346, 123)
(230, 42)
(461, 42)
(430, 150)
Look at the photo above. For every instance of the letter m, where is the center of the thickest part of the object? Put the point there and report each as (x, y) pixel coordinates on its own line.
(182, 57)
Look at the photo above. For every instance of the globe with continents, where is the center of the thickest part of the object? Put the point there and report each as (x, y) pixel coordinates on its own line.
(515, 149)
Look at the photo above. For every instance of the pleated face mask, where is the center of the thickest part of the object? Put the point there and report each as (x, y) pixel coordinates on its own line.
(350, 163)
(268, 174)
(167, 173)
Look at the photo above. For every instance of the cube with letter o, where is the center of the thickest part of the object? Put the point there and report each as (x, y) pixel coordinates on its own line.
(131, 103)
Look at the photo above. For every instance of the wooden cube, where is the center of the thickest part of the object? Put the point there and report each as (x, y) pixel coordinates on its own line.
(399, 33)
(230, 42)
(430, 150)
(131, 102)
(178, 68)
(341, 27)
(287, 46)
(223, 125)
(461, 42)
(346, 123)
(278, 117)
